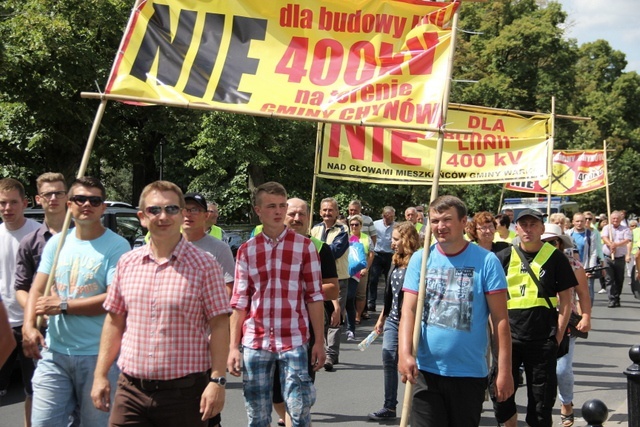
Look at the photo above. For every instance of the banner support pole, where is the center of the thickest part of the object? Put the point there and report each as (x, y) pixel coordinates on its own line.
(550, 154)
(606, 176)
(417, 327)
(67, 219)
(504, 187)
(316, 168)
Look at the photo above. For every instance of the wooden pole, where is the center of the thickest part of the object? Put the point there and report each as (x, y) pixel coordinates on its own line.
(67, 218)
(606, 176)
(417, 327)
(504, 187)
(316, 168)
(550, 154)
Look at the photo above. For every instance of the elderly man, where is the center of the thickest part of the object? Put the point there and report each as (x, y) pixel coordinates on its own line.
(167, 297)
(383, 253)
(411, 215)
(336, 235)
(617, 239)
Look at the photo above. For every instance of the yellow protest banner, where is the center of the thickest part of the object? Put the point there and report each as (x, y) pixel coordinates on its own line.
(574, 172)
(500, 147)
(366, 62)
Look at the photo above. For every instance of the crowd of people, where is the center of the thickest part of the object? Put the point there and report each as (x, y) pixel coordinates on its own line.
(106, 335)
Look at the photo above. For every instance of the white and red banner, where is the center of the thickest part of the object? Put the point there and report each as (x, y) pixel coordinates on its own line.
(574, 172)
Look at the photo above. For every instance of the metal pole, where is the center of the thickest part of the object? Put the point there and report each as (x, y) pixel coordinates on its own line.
(633, 387)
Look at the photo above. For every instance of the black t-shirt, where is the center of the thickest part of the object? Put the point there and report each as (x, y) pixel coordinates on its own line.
(327, 262)
(556, 275)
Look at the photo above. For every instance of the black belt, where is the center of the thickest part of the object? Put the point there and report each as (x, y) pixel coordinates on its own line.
(155, 385)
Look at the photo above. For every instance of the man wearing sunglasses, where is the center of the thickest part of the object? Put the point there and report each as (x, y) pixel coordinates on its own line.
(166, 298)
(84, 270)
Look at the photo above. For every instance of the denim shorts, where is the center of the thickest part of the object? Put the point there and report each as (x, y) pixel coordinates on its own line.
(298, 390)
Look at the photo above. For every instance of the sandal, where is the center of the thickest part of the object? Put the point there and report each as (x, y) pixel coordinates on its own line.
(365, 316)
(566, 420)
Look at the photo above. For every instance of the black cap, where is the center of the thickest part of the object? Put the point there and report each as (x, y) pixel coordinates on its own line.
(198, 198)
(532, 213)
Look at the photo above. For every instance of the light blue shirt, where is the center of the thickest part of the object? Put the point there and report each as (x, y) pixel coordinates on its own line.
(453, 340)
(85, 269)
(383, 244)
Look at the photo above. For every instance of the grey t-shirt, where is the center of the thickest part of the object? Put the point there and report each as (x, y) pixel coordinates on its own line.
(221, 252)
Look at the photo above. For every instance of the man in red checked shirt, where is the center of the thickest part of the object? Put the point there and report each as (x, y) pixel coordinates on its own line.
(277, 297)
(165, 299)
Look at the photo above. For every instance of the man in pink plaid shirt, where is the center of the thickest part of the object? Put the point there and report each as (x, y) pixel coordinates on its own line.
(166, 297)
(277, 296)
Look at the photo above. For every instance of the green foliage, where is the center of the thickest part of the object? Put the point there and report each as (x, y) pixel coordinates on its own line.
(51, 50)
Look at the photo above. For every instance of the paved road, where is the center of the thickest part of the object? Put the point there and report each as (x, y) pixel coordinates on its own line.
(355, 388)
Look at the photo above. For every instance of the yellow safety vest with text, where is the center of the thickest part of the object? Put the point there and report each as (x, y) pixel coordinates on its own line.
(523, 291)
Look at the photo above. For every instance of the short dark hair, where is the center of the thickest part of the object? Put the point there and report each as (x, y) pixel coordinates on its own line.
(443, 203)
(88, 182)
(10, 184)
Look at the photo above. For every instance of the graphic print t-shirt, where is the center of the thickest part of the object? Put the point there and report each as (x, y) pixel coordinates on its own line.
(454, 321)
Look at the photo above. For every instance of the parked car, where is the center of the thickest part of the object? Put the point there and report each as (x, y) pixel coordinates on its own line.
(123, 221)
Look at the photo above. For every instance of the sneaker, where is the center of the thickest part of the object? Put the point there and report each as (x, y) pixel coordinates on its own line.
(602, 291)
(383, 414)
(351, 336)
(328, 365)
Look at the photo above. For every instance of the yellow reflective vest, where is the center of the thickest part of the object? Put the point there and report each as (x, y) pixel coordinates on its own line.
(216, 232)
(523, 291)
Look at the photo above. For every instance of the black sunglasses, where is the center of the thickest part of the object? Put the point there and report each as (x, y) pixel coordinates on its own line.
(94, 201)
(169, 210)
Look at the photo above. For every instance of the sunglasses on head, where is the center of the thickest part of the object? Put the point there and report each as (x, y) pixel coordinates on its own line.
(156, 210)
(94, 201)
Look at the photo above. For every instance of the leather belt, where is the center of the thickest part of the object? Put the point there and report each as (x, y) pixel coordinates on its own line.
(155, 385)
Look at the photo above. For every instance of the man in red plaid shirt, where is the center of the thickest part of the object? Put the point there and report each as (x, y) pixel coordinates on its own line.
(277, 296)
(166, 297)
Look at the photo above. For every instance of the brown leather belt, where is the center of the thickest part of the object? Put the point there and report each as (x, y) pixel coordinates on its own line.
(155, 385)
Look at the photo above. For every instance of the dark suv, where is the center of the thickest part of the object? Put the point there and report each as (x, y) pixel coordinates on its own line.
(123, 221)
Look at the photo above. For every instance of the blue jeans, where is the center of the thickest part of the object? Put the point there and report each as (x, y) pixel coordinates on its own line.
(390, 363)
(332, 343)
(592, 293)
(61, 383)
(564, 372)
(298, 390)
(351, 304)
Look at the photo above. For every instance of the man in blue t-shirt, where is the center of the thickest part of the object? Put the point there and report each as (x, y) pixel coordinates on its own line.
(85, 268)
(465, 285)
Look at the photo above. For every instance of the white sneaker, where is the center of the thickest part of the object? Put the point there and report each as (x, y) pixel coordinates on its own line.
(602, 291)
(351, 336)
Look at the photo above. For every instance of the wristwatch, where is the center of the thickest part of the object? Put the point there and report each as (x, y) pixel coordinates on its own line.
(63, 307)
(221, 381)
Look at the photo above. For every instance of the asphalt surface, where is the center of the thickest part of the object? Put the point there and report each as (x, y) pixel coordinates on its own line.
(355, 387)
